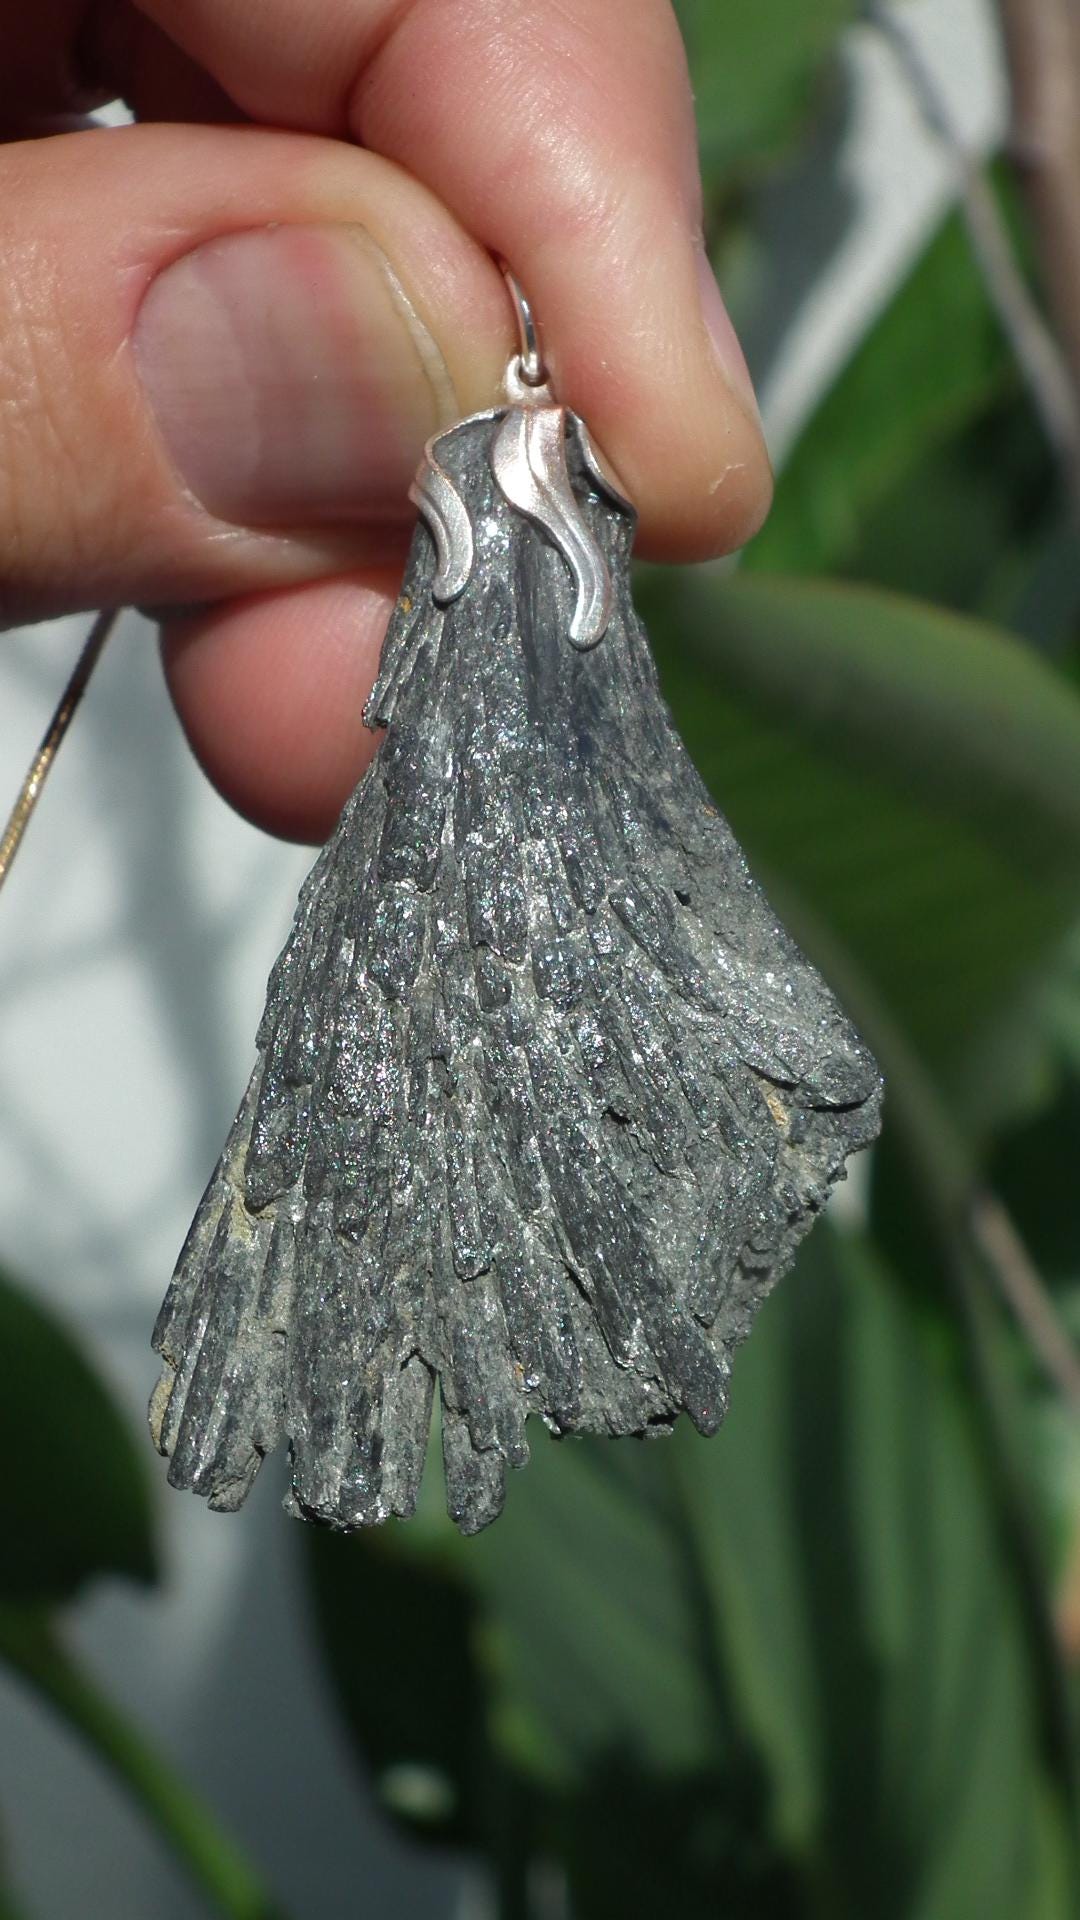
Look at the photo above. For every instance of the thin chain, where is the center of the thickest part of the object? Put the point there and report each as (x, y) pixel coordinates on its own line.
(40, 767)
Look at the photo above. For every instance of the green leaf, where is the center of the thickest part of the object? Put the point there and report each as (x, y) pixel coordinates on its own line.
(795, 1661)
(1034, 1172)
(74, 1500)
(785, 1668)
(564, 1717)
(756, 71)
(1046, 598)
(11, 1907)
(32, 1648)
(904, 782)
(418, 1718)
(935, 360)
(848, 1530)
(964, 525)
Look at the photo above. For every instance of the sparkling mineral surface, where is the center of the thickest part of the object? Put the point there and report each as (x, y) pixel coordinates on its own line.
(545, 1097)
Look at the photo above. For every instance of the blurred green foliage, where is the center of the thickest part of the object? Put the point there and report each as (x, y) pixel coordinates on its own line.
(904, 780)
(757, 73)
(790, 1671)
(85, 1509)
(814, 1667)
(898, 403)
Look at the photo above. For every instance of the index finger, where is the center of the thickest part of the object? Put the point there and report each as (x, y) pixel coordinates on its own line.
(561, 134)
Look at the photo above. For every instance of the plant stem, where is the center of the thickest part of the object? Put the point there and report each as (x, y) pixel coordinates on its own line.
(29, 1643)
(1021, 1284)
(1042, 45)
(1043, 360)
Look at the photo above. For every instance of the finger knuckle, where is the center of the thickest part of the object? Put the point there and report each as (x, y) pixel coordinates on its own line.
(43, 467)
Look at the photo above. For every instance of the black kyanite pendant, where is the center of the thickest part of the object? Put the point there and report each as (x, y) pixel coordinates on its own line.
(545, 1098)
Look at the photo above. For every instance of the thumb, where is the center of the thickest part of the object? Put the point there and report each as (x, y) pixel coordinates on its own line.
(221, 352)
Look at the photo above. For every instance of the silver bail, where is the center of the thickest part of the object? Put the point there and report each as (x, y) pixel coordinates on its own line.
(529, 365)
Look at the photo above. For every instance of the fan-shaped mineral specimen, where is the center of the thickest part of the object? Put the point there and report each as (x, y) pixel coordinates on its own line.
(545, 1098)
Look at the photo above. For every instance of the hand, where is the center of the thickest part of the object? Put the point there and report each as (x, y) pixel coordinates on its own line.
(222, 346)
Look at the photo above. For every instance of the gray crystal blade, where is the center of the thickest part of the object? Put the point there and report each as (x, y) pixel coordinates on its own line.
(545, 1097)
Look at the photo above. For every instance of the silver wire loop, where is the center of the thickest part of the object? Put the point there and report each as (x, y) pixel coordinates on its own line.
(530, 362)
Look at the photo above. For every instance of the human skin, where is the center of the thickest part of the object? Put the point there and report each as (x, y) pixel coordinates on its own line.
(227, 331)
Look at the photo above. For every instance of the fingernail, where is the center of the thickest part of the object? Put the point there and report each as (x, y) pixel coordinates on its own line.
(292, 382)
(725, 340)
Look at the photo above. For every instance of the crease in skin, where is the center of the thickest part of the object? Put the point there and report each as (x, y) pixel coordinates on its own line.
(434, 367)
